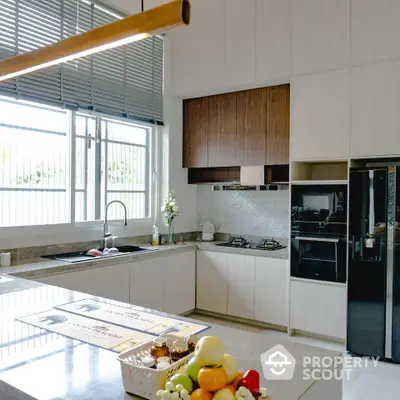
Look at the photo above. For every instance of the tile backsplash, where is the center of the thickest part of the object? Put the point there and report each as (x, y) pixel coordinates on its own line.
(252, 213)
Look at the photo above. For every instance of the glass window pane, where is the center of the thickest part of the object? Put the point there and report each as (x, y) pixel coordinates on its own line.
(20, 208)
(126, 166)
(126, 133)
(135, 205)
(85, 178)
(80, 206)
(32, 159)
(80, 126)
(40, 117)
(34, 166)
(80, 163)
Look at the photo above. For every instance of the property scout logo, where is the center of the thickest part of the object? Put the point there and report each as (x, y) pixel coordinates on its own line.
(278, 364)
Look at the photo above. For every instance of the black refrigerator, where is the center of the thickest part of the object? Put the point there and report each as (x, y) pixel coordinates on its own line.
(373, 315)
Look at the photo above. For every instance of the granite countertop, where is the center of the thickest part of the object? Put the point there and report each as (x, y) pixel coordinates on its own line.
(38, 365)
(40, 267)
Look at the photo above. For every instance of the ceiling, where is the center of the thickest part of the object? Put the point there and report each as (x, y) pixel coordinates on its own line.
(125, 6)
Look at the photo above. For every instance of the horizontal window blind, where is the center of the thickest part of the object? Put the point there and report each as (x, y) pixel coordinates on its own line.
(126, 81)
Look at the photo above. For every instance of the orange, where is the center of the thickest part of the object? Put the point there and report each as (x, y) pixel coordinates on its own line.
(201, 394)
(212, 379)
(237, 378)
(231, 388)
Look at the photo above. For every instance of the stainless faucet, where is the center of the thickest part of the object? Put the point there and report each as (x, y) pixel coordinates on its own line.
(106, 234)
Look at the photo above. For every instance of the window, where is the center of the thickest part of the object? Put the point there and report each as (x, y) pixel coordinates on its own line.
(34, 164)
(112, 163)
(43, 182)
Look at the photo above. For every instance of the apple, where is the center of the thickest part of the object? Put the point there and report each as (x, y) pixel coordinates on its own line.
(209, 351)
(193, 369)
(224, 394)
(184, 380)
(231, 367)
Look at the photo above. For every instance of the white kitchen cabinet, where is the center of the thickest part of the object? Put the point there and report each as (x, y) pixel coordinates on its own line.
(320, 35)
(375, 30)
(180, 283)
(147, 283)
(375, 121)
(240, 42)
(272, 40)
(197, 51)
(271, 282)
(164, 283)
(212, 281)
(320, 116)
(110, 282)
(318, 307)
(241, 286)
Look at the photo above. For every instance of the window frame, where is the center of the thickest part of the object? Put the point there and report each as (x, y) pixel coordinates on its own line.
(151, 173)
(152, 155)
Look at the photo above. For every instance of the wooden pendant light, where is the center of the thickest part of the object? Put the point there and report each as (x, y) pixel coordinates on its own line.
(127, 30)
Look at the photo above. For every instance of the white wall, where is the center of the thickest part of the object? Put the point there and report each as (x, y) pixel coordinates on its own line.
(176, 179)
(249, 213)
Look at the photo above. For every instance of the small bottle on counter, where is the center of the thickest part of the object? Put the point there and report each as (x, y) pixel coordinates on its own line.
(159, 348)
(180, 350)
(156, 235)
(192, 342)
(162, 239)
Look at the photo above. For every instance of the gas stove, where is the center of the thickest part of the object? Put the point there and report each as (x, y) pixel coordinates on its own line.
(242, 243)
(269, 245)
(239, 242)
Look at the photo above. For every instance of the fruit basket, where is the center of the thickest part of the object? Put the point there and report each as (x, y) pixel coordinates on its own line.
(143, 381)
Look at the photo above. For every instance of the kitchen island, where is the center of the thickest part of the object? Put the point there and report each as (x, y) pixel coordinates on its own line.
(40, 365)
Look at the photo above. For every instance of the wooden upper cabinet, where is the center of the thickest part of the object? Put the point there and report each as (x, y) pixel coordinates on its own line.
(278, 125)
(222, 133)
(251, 126)
(195, 133)
(247, 128)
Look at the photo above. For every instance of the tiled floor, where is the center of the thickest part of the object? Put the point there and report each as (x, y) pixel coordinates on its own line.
(368, 383)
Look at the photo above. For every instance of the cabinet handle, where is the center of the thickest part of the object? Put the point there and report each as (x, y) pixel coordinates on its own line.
(317, 239)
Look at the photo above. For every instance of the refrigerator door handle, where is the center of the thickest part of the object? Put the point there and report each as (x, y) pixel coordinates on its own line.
(336, 262)
(362, 247)
(390, 260)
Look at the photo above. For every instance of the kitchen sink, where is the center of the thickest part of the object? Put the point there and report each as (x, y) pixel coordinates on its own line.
(131, 249)
(79, 256)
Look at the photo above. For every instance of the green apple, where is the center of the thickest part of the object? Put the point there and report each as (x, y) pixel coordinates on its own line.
(193, 369)
(231, 367)
(224, 394)
(209, 351)
(184, 380)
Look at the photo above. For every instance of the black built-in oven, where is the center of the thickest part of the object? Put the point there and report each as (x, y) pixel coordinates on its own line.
(318, 232)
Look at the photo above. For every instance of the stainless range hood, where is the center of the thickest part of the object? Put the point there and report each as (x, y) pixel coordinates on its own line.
(233, 187)
(252, 178)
